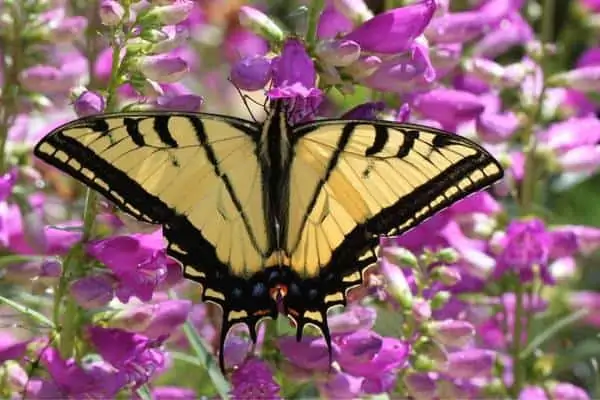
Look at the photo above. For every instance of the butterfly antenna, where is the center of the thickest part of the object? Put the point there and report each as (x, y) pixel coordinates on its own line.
(245, 99)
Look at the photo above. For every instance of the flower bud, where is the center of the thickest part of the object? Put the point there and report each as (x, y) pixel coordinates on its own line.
(470, 363)
(440, 299)
(251, 73)
(168, 14)
(451, 332)
(168, 38)
(89, 103)
(364, 67)
(68, 29)
(421, 310)
(93, 291)
(448, 276)
(163, 68)
(420, 386)
(111, 12)
(355, 10)
(586, 79)
(397, 284)
(338, 53)
(260, 24)
(400, 256)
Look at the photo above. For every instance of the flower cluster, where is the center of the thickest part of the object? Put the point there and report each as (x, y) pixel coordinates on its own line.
(495, 296)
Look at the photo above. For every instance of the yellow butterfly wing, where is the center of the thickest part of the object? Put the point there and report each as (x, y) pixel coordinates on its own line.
(351, 181)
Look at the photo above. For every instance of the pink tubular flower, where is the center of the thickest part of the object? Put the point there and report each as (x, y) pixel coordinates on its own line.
(69, 380)
(111, 12)
(527, 247)
(134, 355)
(46, 79)
(93, 291)
(241, 43)
(182, 102)
(254, 380)
(470, 363)
(173, 393)
(452, 332)
(448, 106)
(294, 80)
(459, 27)
(138, 261)
(586, 300)
(400, 27)
(251, 73)
(68, 29)
(89, 103)
(163, 68)
(332, 23)
(171, 14)
(512, 31)
(11, 348)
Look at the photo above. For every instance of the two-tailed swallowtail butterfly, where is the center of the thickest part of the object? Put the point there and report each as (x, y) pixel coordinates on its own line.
(270, 217)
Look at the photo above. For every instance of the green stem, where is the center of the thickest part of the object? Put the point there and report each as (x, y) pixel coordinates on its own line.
(313, 20)
(527, 201)
(518, 370)
(11, 65)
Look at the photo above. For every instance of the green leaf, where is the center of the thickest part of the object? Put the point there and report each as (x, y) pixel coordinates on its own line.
(38, 317)
(204, 357)
(551, 331)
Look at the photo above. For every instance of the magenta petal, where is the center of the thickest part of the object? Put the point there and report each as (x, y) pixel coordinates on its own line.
(399, 26)
(311, 353)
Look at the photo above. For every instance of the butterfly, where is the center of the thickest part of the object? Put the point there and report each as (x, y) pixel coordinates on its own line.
(267, 217)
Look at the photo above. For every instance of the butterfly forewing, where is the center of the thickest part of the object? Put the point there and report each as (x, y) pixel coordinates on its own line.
(159, 166)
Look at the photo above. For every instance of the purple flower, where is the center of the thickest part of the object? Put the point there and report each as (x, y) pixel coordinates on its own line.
(163, 68)
(497, 127)
(513, 31)
(459, 27)
(7, 181)
(294, 79)
(340, 385)
(11, 348)
(405, 72)
(310, 353)
(138, 261)
(565, 390)
(368, 111)
(586, 300)
(69, 380)
(254, 380)
(587, 237)
(400, 27)
(471, 363)
(166, 316)
(182, 102)
(585, 79)
(241, 43)
(420, 385)
(338, 53)
(332, 23)
(448, 106)
(89, 103)
(134, 355)
(173, 393)
(111, 12)
(355, 10)
(526, 247)
(251, 73)
(452, 333)
(68, 29)
(355, 317)
(170, 14)
(93, 291)
(46, 79)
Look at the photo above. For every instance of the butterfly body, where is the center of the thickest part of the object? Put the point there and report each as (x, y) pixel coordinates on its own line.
(270, 217)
